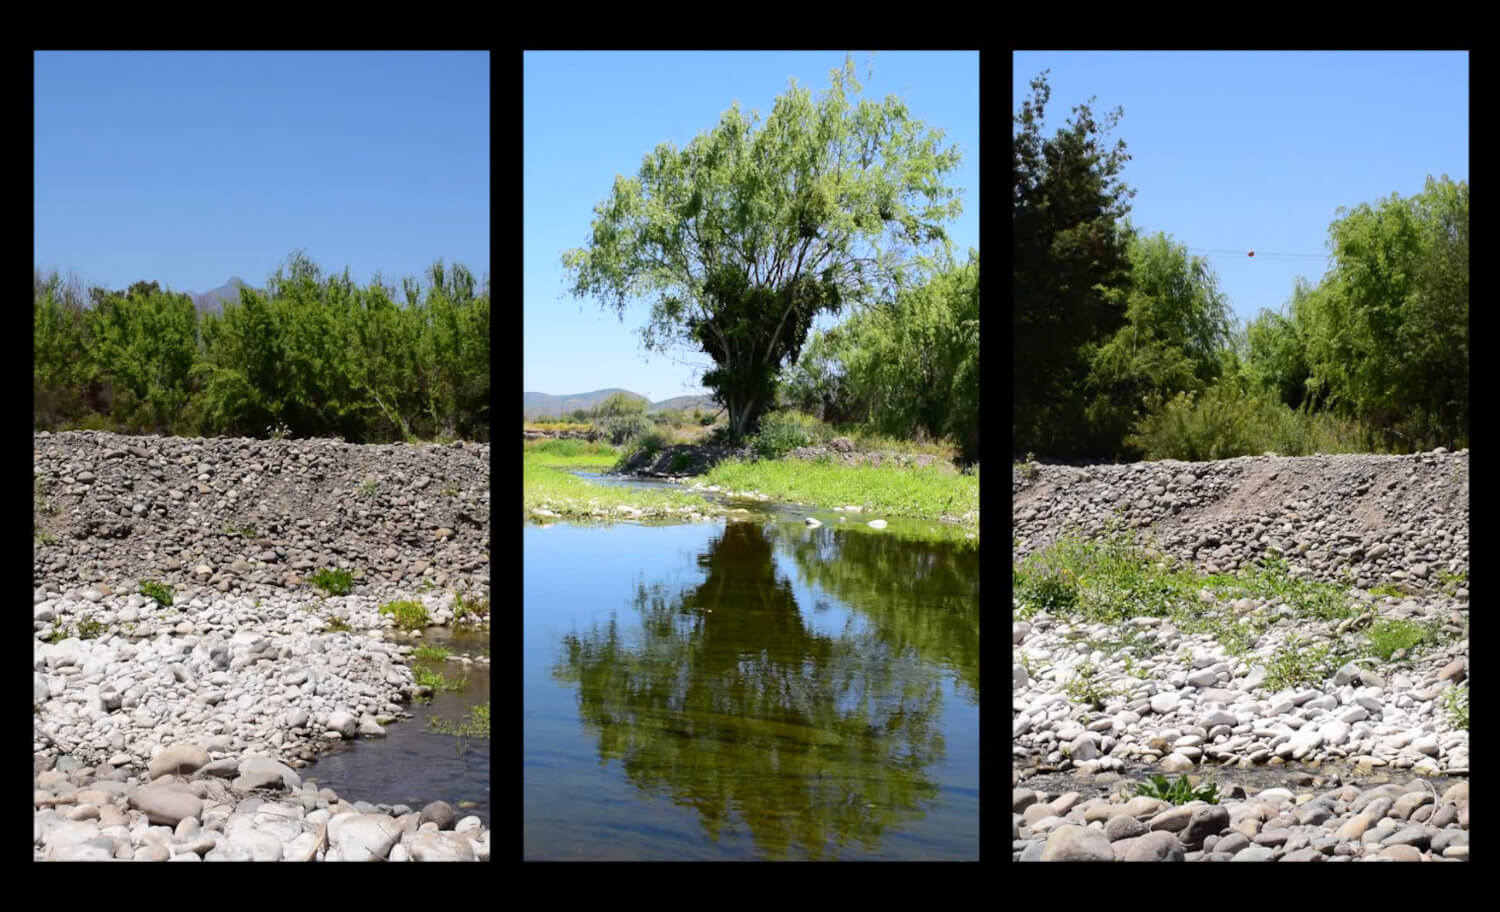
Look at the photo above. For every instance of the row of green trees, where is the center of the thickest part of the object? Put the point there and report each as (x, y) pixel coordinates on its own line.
(1124, 346)
(311, 356)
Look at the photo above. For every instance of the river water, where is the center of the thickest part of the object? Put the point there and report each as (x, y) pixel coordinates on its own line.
(415, 764)
(751, 689)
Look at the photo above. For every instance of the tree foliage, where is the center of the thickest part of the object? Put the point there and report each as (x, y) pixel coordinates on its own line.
(1177, 322)
(317, 355)
(747, 234)
(1070, 265)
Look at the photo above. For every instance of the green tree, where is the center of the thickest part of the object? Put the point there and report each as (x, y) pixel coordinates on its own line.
(916, 362)
(1387, 333)
(1070, 262)
(1177, 323)
(747, 234)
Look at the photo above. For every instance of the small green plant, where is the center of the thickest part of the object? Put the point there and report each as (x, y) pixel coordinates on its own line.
(1456, 699)
(449, 491)
(463, 607)
(409, 615)
(1452, 582)
(278, 431)
(336, 625)
(1179, 792)
(1084, 687)
(368, 488)
(477, 725)
(333, 582)
(680, 462)
(158, 591)
(1297, 663)
(426, 677)
(89, 628)
(430, 653)
(1028, 469)
(246, 530)
(41, 537)
(1388, 636)
(1386, 589)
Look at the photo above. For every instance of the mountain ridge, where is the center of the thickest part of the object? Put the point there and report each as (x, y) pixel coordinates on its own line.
(539, 405)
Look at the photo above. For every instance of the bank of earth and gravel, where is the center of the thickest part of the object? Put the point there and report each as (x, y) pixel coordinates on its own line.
(835, 477)
(185, 664)
(1291, 630)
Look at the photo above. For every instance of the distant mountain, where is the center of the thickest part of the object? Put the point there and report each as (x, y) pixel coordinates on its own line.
(538, 405)
(213, 301)
(543, 405)
(686, 403)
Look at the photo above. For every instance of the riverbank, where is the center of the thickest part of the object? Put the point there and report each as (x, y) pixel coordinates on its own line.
(916, 487)
(179, 741)
(1178, 651)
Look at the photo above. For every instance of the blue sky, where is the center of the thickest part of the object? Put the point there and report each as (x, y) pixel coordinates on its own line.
(190, 168)
(1241, 151)
(589, 116)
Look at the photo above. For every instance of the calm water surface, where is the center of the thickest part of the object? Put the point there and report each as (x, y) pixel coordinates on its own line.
(749, 690)
(414, 764)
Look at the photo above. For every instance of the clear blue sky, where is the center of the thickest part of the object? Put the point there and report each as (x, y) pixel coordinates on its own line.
(190, 168)
(1257, 150)
(590, 116)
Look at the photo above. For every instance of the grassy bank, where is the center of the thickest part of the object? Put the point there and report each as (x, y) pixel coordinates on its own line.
(932, 492)
(549, 492)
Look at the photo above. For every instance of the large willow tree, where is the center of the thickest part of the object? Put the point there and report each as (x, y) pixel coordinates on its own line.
(746, 235)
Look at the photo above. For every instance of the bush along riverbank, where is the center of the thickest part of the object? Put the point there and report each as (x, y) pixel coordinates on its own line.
(1129, 657)
(550, 492)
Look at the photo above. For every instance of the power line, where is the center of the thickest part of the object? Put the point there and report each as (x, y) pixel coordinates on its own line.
(1258, 253)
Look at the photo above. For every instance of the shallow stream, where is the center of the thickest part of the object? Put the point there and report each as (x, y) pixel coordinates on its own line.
(749, 689)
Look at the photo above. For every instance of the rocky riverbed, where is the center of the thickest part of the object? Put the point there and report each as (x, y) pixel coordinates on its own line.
(1248, 685)
(171, 729)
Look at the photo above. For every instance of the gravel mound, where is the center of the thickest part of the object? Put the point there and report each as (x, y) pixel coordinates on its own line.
(1361, 518)
(255, 517)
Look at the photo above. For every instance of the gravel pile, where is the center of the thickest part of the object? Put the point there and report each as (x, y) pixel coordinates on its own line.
(254, 517)
(1357, 518)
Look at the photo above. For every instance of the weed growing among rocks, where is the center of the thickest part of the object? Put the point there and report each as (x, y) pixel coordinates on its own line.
(1179, 792)
(161, 592)
(333, 582)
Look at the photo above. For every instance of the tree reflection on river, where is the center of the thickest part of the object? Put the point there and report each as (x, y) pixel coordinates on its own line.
(734, 696)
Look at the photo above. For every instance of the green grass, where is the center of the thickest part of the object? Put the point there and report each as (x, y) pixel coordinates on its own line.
(1386, 589)
(430, 653)
(333, 582)
(476, 726)
(336, 625)
(545, 486)
(1388, 636)
(929, 492)
(409, 615)
(1114, 578)
(571, 454)
(368, 489)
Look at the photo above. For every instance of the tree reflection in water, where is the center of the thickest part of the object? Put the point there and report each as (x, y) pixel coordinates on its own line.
(727, 701)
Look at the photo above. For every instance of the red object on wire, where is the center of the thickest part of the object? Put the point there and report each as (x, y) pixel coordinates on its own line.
(1252, 253)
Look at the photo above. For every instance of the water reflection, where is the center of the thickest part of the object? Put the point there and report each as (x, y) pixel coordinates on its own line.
(728, 696)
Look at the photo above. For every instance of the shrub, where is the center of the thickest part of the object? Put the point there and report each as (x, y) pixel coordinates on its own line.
(622, 429)
(782, 432)
(1179, 792)
(680, 462)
